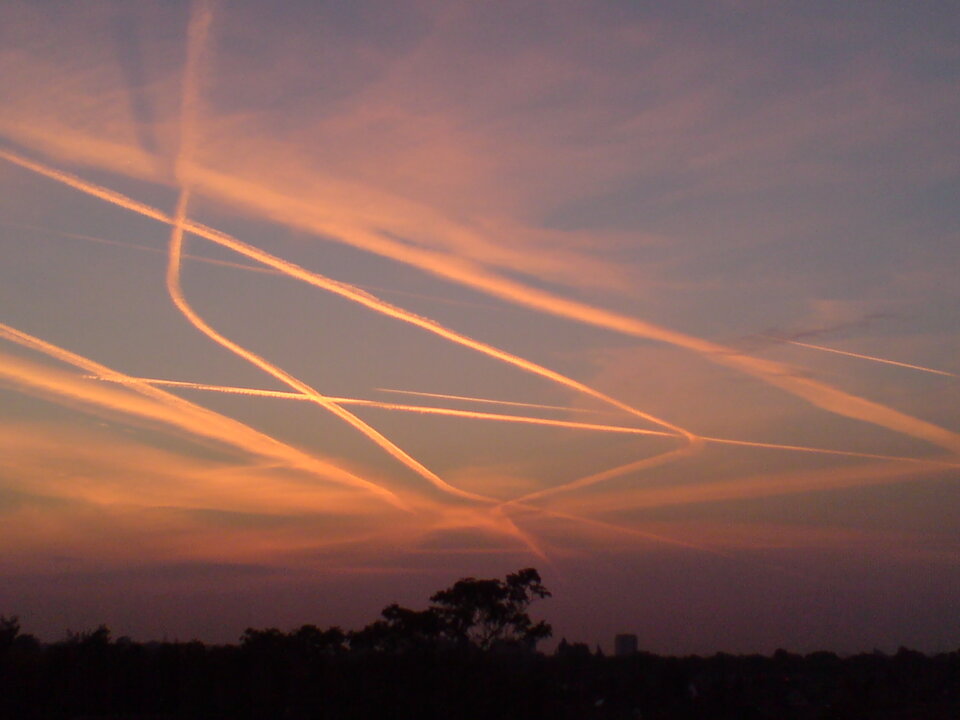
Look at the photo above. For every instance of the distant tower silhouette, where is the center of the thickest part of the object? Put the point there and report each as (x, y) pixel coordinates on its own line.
(625, 644)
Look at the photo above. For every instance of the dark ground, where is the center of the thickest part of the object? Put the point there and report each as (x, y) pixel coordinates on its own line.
(300, 675)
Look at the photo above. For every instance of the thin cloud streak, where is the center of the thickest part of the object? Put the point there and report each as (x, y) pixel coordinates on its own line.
(488, 401)
(245, 267)
(860, 356)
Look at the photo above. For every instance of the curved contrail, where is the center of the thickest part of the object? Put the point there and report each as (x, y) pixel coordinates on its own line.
(200, 21)
(776, 374)
(339, 288)
(284, 209)
(309, 393)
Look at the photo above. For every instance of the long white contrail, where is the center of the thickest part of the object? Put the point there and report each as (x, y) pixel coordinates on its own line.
(776, 374)
(342, 289)
(287, 210)
(545, 422)
(283, 208)
(173, 286)
(197, 33)
(860, 356)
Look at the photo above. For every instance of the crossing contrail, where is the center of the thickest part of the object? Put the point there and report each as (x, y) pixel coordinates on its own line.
(527, 420)
(245, 267)
(309, 393)
(339, 288)
(290, 211)
(776, 374)
(197, 33)
(158, 406)
(449, 412)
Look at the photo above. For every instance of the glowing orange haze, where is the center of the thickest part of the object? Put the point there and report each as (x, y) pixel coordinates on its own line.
(775, 374)
(142, 485)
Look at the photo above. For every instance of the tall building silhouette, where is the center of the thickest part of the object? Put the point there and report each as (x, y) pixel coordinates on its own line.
(625, 644)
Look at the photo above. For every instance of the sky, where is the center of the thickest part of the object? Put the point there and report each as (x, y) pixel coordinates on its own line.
(310, 308)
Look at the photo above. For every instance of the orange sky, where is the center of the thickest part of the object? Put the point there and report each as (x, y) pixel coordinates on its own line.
(658, 300)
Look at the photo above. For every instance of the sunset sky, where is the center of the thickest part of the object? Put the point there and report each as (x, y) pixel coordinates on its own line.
(311, 307)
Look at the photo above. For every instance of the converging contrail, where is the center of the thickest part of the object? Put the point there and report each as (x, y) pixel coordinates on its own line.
(291, 211)
(860, 356)
(199, 27)
(817, 393)
(309, 393)
(636, 466)
(526, 420)
(342, 289)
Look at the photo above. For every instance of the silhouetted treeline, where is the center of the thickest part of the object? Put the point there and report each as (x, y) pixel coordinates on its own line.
(471, 654)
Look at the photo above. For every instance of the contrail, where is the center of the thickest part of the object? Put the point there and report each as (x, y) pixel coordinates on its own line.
(645, 463)
(655, 537)
(201, 17)
(376, 403)
(343, 289)
(199, 27)
(283, 209)
(449, 412)
(487, 400)
(176, 294)
(860, 356)
(776, 374)
(526, 420)
(636, 466)
(172, 410)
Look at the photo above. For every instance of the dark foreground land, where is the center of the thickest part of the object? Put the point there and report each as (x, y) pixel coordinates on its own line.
(281, 676)
(470, 655)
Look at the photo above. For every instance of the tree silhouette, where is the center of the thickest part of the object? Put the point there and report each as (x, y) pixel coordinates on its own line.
(488, 613)
(400, 630)
(9, 630)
